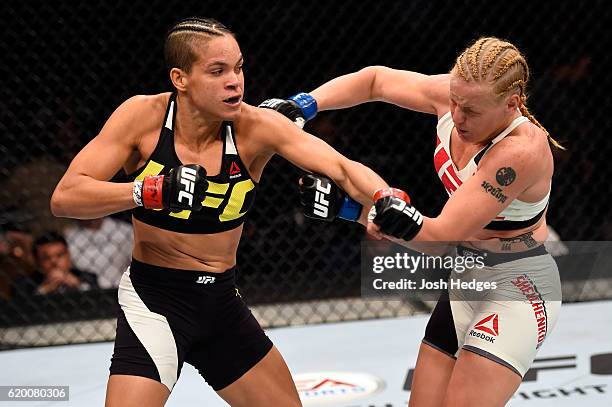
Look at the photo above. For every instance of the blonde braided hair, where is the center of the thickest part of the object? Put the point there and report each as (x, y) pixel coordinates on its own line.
(502, 64)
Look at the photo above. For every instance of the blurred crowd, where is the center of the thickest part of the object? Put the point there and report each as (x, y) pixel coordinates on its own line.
(81, 256)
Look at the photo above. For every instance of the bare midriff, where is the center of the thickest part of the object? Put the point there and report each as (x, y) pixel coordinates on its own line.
(509, 240)
(213, 253)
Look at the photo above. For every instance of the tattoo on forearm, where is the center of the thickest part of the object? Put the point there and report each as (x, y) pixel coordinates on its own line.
(505, 176)
(526, 238)
(496, 192)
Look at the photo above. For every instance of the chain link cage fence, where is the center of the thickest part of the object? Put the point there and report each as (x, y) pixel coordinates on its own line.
(67, 65)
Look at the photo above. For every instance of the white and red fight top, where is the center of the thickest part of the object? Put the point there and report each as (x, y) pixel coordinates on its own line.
(518, 214)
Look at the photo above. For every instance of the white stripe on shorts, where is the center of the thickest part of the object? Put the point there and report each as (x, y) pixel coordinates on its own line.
(152, 330)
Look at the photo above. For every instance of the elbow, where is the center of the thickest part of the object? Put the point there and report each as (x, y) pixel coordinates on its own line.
(373, 72)
(57, 205)
(370, 72)
(342, 174)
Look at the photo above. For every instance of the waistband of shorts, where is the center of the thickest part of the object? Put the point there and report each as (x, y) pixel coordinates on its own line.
(491, 259)
(166, 274)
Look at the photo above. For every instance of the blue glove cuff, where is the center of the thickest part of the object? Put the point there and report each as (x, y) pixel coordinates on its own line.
(350, 209)
(307, 103)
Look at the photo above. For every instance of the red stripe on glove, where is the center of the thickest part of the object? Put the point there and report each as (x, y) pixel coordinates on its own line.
(152, 192)
(398, 193)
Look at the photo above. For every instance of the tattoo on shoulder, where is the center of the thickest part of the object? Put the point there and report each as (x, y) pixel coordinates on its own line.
(494, 191)
(505, 176)
(525, 238)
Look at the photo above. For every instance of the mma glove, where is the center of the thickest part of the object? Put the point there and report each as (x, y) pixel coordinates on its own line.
(322, 199)
(298, 108)
(394, 214)
(183, 188)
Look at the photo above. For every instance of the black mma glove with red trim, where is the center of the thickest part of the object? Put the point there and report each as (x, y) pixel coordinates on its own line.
(394, 214)
(183, 188)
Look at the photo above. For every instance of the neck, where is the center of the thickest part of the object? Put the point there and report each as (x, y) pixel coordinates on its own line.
(193, 127)
(502, 127)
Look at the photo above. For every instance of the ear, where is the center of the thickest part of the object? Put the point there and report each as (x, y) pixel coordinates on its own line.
(513, 102)
(179, 79)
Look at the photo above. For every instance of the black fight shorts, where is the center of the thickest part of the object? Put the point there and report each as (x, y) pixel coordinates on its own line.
(171, 316)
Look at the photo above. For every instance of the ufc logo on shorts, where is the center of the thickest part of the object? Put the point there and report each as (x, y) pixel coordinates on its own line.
(188, 177)
(205, 280)
(321, 205)
(406, 209)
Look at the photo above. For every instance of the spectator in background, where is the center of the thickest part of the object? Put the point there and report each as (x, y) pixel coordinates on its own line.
(15, 255)
(102, 246)
(55, 273)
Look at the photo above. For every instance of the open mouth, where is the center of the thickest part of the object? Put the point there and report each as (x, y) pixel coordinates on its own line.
(233, 100)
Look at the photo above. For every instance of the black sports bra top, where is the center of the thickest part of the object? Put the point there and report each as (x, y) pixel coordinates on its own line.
(229, 196)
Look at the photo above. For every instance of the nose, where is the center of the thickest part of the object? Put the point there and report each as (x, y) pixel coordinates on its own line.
(458, 116)
(233, 81)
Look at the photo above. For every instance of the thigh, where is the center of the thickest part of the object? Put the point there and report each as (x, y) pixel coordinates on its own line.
(436, 356)
(510, 333)
(509, 324)
(441, 332)
(237, 344)
(268, 383)
(431, 377)
(135, 391)
(146, 343)
(479, 381)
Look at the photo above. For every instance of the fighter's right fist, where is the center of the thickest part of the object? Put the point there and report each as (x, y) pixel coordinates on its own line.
(183, 188)
(322, 199)
(394, 214)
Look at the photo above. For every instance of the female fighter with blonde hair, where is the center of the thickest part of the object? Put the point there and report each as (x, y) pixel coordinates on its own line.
(495, 161)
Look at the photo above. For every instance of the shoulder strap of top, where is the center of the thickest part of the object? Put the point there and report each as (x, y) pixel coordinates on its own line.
(166, 137)
(445, 126)
(170, 113)
(515, 123)
(230, 140)
(166, 134)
